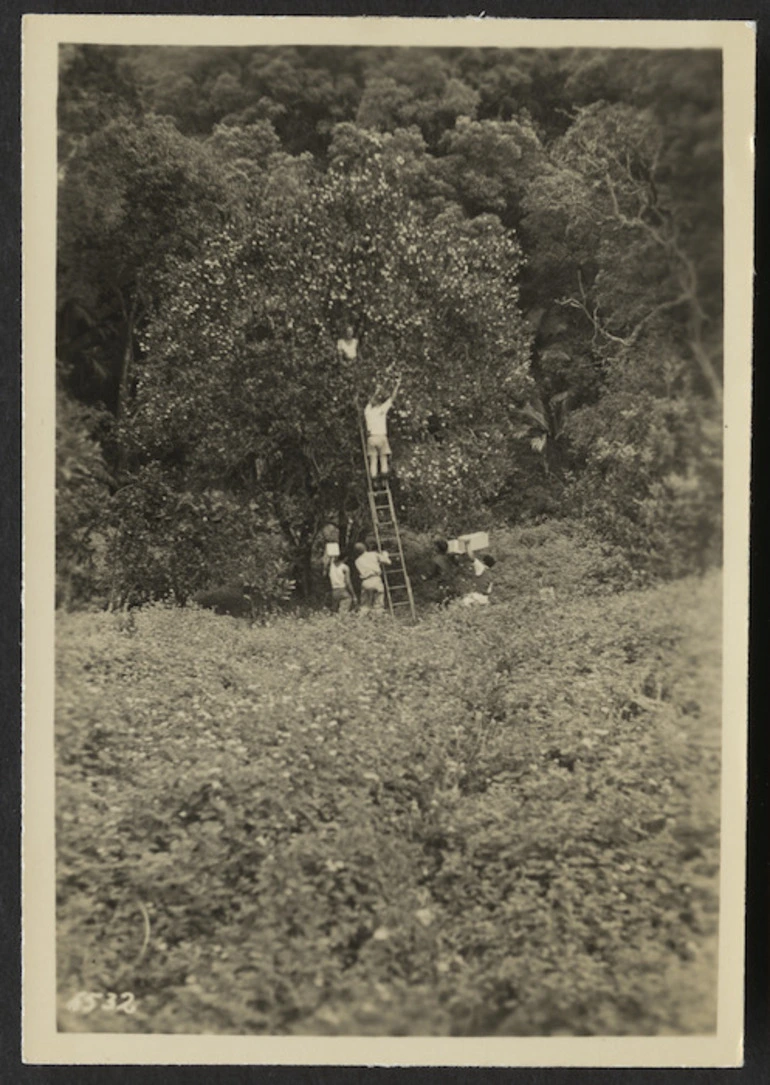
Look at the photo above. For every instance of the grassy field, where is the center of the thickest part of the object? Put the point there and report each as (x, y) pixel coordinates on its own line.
(494, 823)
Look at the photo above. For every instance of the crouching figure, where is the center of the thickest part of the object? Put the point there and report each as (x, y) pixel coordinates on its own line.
(482, 589)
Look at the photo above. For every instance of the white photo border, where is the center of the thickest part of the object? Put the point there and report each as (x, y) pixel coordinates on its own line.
(42, 35)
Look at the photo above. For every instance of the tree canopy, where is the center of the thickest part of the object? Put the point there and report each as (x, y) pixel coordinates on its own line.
(530, 239)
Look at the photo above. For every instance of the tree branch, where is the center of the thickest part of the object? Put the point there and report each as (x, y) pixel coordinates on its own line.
(637, 222)
(600, 329)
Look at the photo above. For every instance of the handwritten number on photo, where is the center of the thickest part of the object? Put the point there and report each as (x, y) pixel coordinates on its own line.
(86, 1002)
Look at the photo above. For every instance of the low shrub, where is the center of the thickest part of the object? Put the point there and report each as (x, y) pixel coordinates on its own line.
(553, 560)
(82, 493)
(502, 822)
(650, 474)
(559, 560)
(170, 543)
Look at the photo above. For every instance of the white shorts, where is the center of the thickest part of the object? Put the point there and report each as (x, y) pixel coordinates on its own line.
(378, 443)
(372, 592)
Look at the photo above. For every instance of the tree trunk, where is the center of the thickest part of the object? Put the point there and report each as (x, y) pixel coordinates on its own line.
(706, 368)
(342, 527)
(301, 548)
(127, 364)
(699, 352)
(303, 570)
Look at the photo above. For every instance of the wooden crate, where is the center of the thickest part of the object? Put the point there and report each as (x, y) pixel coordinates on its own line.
(479, 540)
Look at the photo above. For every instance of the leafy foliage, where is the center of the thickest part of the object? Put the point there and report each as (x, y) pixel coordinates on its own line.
(489, 823)
(169, 544)
(502, 823)
(527, 236)
(133, 193)
(82, 492)
(652, 481)
(240, 383)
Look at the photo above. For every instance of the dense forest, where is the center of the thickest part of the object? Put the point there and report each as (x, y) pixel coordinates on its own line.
(492, 822)
(530, 239)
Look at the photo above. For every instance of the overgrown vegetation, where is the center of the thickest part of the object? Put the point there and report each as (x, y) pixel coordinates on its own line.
(500, 823)
(532, 239)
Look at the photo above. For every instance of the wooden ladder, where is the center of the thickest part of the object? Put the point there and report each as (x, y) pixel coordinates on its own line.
(398, 587)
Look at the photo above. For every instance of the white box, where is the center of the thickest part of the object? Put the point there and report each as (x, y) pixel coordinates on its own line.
(479, 540)
(332, 550)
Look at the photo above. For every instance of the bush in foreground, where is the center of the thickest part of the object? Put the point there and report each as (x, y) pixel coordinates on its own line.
(499, 823)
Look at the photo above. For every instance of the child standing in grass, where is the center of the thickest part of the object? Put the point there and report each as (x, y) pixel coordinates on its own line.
(343, 596)
(369, 565)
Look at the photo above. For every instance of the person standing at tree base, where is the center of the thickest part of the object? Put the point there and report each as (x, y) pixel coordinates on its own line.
(377, 444)
(369, 565)
(343, 596)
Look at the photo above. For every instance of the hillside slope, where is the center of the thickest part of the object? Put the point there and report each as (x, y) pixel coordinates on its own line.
(502, 822)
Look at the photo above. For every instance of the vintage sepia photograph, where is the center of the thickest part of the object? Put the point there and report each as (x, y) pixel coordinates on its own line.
(389, 393)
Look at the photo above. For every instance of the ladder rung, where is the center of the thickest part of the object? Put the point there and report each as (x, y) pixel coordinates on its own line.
(385, 521)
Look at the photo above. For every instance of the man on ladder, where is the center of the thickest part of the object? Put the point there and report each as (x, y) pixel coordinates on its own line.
(376, 417)
(376, 448)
